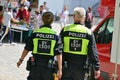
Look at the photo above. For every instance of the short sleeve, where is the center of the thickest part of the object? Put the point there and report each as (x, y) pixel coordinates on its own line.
(58, 46)
(29, 43)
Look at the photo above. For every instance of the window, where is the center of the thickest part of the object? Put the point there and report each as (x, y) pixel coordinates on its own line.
(104, 33)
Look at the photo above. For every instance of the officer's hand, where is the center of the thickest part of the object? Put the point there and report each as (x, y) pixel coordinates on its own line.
(19, 63)
(97, 74)
(59, 74)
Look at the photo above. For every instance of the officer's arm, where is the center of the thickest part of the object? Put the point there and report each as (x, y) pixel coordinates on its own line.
(24, 53)
(61, 35)
(93, 53)
(59, 59)
(28, 47)
(58, 52)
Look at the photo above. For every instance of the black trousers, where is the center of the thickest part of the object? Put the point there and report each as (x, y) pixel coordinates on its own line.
(40, 73)
(9, 34)
(73, 72)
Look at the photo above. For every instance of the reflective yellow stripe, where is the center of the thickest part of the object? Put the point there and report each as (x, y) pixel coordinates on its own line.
(35, 41)
(84, 46)
(53, 42)
(85, 42)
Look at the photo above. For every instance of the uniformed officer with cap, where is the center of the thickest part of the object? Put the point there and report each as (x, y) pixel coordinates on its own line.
(78, 46)
(44, 44)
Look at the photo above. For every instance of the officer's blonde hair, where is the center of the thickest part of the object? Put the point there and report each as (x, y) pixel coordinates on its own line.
(47, 18)
(79, 12)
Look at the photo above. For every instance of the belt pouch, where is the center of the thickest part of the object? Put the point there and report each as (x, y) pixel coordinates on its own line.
(30, 63)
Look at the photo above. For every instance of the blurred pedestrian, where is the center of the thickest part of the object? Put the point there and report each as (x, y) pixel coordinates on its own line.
(44, 44)
(25, 3)
(89, 18)
(37, 20)
(20, 12)
(45, 8)
(78, 46)
(14, 12)
(15, 8)
(7, 19)
(1, 22)
(64, 17)
(15, 3)
(27, 15)
(41, 9)
(7, 4)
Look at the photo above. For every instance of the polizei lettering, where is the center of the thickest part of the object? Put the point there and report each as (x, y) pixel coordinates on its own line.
(80, 35)
(49, 36)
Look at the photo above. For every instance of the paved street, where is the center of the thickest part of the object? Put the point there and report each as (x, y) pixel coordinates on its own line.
(9, 55)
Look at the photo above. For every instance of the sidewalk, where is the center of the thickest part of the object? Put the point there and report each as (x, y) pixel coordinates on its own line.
(9, 56)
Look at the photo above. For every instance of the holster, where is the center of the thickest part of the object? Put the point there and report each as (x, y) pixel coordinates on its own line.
(65, 64)
(30, 63)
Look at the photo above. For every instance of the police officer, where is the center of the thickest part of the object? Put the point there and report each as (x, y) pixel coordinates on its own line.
(44, 44)
(78, 46)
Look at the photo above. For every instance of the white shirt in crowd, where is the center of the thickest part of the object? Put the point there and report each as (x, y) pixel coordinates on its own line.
(7, 16)
(64, 18)
(37, 22)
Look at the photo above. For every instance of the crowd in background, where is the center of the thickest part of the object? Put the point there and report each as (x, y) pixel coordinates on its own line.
(21, 13)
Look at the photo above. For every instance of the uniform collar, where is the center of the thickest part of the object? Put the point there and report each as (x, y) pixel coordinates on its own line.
(78, 23)
(46, 26)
